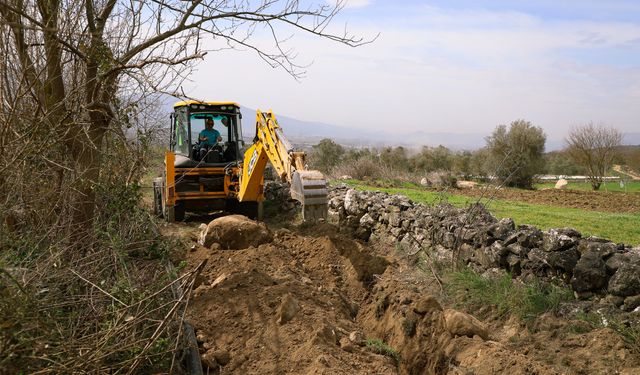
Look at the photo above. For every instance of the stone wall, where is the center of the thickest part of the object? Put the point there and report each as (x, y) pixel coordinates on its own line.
(589, 265)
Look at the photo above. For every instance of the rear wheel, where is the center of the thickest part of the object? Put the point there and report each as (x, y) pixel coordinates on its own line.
(178, 211)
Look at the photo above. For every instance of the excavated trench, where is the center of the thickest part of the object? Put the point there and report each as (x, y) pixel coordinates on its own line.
(308, 300)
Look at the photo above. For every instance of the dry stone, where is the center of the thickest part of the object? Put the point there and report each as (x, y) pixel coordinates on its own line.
(565, 260)
(555, 240)
(502, 229)
(631, 303)
(626, 281)
(590, 273)
(476, 237)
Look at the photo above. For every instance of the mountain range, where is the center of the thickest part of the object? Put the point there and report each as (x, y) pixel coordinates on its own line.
(310, 132)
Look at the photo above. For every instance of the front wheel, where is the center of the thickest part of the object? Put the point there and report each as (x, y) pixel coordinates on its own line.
(179, 211)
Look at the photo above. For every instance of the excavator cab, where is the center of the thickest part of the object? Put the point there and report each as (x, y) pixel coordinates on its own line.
(188, 122)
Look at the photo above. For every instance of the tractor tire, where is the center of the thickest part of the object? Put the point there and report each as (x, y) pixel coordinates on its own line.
(179, 211)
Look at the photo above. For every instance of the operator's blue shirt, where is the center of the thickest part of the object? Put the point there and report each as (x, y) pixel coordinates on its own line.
(212, 137)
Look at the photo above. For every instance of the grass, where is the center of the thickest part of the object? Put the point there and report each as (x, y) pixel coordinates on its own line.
(630, 186)
(628, 331)
(381, 347)
(618, 227)
(526, 301)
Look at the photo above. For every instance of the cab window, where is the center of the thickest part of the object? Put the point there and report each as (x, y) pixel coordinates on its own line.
(181, 135)
(197, 125)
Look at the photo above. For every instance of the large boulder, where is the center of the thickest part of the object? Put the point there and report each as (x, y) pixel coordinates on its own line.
(234, 232)
(562, 184)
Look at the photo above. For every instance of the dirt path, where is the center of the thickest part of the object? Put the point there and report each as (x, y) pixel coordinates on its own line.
(308, 301)
(634, 176)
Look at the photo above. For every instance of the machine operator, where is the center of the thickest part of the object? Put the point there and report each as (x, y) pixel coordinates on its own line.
(208, 137)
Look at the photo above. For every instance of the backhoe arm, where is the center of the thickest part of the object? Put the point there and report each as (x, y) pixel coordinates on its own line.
(308, 187)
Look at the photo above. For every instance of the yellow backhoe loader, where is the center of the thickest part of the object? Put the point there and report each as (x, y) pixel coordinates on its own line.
(225, 174)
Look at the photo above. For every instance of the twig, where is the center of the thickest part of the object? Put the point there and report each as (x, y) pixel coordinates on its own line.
(97, 287)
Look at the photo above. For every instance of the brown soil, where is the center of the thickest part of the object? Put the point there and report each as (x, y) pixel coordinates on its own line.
(291, 306)
(617, 202)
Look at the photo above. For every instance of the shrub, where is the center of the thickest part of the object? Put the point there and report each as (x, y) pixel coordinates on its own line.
(441, 179)
(360, 169)
(326, 155)
(516, 154)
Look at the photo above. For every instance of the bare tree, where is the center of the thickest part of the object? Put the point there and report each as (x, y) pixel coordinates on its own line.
(593, 147)
(70, 65)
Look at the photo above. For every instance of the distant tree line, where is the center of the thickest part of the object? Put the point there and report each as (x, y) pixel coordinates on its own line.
(514, 155)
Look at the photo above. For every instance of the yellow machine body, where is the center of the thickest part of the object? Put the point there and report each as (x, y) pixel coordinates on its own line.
(232, 179)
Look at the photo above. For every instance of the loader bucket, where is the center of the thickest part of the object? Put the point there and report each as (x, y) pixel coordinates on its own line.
(310, 189)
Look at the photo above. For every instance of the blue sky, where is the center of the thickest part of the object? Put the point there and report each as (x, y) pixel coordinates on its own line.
(452, 66)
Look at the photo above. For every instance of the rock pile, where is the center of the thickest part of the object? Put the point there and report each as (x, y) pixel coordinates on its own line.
(278, 192)
(591, 265)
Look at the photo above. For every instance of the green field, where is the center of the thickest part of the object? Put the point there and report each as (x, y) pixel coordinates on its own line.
(616, 227)
(630, 187)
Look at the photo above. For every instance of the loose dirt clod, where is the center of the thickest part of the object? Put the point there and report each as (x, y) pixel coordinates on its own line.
(288, 309)
(461, 324)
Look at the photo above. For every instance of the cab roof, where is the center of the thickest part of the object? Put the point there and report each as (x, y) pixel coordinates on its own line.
(189, 102)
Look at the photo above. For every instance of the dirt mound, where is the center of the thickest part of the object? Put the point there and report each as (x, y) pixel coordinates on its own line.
(284, 307)
(234, 232)
(313, 301)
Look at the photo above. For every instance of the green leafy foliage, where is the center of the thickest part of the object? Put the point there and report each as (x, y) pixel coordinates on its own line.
(517, 153)
(326, 155)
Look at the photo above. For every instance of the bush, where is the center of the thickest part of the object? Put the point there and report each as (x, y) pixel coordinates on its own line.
(517, 153)
(559, 163)
(441, 179)
(360, 169)
(325, 155)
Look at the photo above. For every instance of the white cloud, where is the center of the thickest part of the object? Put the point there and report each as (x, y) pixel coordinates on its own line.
(350, 4)
(358, 3)
(446, 70)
